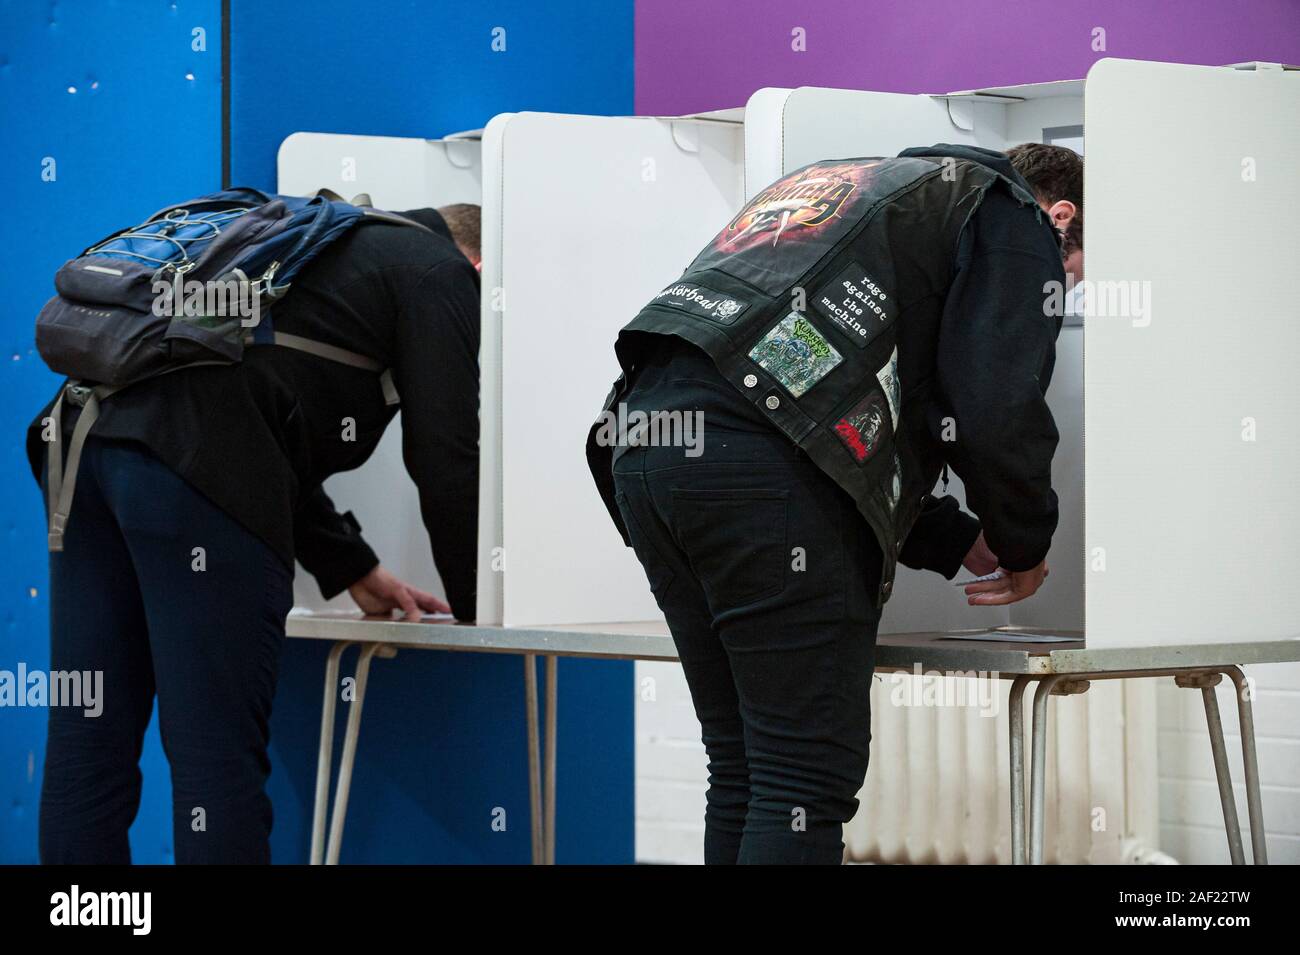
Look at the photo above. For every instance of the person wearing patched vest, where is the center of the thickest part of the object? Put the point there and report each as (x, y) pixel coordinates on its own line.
(786, 409)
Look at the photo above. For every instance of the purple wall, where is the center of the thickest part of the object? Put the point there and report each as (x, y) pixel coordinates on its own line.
(695, 55)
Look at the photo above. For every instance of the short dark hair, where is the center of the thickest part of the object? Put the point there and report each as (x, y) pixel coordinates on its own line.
(1053, 173)
(465, 219)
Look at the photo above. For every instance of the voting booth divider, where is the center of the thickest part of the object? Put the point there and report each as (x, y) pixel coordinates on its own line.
(585, 218)
(1177, 519)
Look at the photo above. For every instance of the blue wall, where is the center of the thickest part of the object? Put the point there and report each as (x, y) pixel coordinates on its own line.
(138, 132)
(443, 740)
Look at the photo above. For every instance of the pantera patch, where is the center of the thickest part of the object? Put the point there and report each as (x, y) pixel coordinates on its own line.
(862, 429)
(701, 301)
(795, 354)
(855, 303)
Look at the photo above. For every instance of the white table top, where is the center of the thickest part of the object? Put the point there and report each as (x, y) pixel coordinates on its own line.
(650, 640)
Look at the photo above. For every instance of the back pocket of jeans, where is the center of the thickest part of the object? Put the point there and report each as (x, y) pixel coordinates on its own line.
(735, 540)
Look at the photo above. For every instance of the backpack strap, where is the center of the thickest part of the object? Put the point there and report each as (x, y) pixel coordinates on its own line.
(340, 355)
(381, 216)
(61, 486)
(61, 479)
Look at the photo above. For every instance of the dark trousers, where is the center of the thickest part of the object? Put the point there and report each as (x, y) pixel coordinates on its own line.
(134, 597)
(765, 572)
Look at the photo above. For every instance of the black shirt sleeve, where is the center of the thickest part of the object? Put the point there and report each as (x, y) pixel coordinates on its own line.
(329, 544)
(941, 537)
(997, 348)
(435, 368)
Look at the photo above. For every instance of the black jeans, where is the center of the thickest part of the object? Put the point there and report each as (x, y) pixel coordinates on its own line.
(765, 573)
(203, 630)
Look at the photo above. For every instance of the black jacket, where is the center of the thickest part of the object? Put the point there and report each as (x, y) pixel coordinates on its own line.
(258, 438)
(887, 316)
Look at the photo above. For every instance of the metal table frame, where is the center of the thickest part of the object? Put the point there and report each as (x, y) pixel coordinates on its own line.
(1057, 668)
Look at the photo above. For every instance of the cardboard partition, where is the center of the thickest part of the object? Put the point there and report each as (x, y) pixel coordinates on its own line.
(585, 218)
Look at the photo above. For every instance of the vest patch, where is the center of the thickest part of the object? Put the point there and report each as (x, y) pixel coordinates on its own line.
(888, 378)
(789, 225)
(862, 429)
(701, 301)
(855, 303)
(795, 354)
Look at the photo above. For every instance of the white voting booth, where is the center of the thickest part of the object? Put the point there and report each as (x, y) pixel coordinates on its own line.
(786, 129)
(584, 219)
(1184, 491)
(397, 173)
(1185, 398)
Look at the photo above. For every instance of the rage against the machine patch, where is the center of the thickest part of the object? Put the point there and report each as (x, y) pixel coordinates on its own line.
(795, 354)
(862, 430)
(855, 303)
(701, 301)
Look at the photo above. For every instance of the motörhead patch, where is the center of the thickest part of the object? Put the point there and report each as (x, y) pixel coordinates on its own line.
(862, 430)
(795, 354)
(786, 228)
(855, 303)
(701, 301)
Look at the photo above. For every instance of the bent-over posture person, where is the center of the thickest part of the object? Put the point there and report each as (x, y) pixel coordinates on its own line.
(196, 491)
(859, 326)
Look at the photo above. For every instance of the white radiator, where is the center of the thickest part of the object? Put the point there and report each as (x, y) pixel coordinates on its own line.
(938, 787)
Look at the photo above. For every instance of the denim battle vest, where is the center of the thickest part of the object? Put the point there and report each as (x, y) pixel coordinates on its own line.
(820, 302)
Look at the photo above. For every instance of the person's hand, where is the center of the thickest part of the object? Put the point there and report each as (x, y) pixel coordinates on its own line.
(379, 592)
(1016, 585)
(979, 560)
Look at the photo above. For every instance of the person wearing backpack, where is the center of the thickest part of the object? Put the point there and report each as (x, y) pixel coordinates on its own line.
(198, 484)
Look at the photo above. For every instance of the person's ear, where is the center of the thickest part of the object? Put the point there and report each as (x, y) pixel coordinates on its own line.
(1062, 213)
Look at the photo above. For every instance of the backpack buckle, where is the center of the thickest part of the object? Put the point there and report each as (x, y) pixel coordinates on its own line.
(265, 285)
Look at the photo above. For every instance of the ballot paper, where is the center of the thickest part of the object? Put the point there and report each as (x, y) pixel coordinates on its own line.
(996, 575)
(998, 636)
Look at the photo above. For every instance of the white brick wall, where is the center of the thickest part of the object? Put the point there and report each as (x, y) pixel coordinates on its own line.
(1191, 820)
(670, 771)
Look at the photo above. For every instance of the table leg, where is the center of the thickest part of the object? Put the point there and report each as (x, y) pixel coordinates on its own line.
(1250, 762)
(548, 800)
(1038, 777)
(534, 758)
(1016, 716)
(349, 753)
(326, 750)
(1214, 724)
